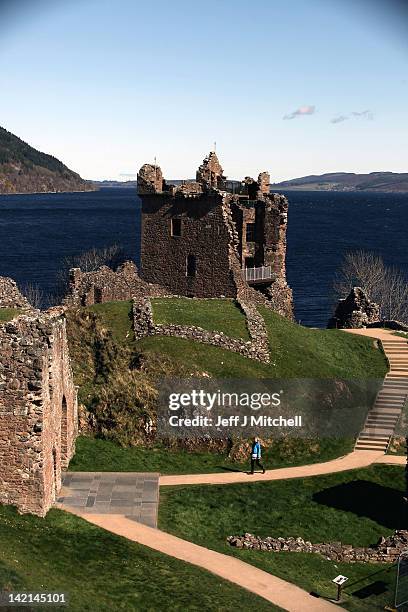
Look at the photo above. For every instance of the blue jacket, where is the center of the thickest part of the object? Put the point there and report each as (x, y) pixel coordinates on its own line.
(256, 450)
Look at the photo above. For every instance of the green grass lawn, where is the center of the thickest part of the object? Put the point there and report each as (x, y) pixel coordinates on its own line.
(117, 317)
(354, 507)
(101, 571)
(221, 315)
(105, 456)
(7, 314)
(296, 352)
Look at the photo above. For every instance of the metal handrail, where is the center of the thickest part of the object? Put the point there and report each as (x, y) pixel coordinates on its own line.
(256, 274)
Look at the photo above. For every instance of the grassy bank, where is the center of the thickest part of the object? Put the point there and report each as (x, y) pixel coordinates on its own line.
(7, 314)
(106, 456)
(118, 377)
(100, 571)
(353, 507)
(296, 351)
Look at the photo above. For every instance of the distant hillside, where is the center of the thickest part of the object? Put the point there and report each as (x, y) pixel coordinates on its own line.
(26, 170)
(348, 181)
(119, 184)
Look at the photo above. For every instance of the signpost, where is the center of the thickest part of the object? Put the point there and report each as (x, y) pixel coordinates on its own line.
(339, 581)
(401, 585)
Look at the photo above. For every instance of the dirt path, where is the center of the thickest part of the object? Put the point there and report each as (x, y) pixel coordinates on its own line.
(279, 592)
(356, 459)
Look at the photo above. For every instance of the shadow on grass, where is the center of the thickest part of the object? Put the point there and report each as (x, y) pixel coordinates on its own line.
(381, 504)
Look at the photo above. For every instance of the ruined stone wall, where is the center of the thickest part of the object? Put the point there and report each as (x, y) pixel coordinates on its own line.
(264, 181)
(355, 311)
(107, 285)
(387, 550)
(255, 348)
(275, 225)
(210, 173)
(203, 235)
(38, 411)
(10, 296)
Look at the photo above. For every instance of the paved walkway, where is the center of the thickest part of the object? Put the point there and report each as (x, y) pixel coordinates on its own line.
(279, 592)
(132, 494)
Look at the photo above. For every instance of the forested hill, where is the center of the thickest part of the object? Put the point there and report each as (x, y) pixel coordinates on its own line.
(348, 181)
(23, 169)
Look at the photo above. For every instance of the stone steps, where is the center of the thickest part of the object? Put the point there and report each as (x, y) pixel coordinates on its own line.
(384, 415)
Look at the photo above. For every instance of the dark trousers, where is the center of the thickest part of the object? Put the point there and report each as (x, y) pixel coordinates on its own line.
(258, 463)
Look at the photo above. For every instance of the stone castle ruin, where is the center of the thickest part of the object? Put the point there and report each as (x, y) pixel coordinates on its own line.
(212, 238)
(204, 238)
(38, 407)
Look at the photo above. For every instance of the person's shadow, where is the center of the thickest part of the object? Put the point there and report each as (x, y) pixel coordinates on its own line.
(231, 469)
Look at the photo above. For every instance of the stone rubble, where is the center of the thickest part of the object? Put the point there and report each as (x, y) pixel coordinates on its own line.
(387, 550)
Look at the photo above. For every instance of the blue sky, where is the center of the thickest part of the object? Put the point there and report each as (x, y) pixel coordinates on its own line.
(108, 85)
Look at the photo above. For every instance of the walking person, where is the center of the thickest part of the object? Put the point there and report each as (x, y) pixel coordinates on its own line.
(256, 454)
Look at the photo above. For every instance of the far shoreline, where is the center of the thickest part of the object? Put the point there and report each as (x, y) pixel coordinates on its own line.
(22, 193)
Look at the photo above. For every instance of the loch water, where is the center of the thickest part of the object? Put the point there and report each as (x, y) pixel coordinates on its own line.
(38, 231)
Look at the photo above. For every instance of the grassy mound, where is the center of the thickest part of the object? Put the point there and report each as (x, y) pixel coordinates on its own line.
(7, 314)
(118, 378)
(101, 571)
(213, 315)
(296, 352)
(352, 507)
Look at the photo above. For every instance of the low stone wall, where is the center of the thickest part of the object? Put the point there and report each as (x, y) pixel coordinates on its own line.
(256, 329)
(10, 296)
(256, 348)
(387, 550)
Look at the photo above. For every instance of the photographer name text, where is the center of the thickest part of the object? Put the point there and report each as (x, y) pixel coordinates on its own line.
(236, 421)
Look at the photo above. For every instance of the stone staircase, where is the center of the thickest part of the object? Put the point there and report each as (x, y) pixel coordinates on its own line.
(384, 415)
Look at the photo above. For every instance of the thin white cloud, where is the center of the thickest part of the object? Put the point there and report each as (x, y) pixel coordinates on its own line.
(301, 112)
(366, 114)
(339, 119)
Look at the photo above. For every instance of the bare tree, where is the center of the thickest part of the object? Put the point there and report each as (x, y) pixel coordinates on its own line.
(393, 296)
(35, 295)
(385, 285)
(89, 261)
(359, 269)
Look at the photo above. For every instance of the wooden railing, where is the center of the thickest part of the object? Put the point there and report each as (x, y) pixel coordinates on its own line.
(252, 275)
